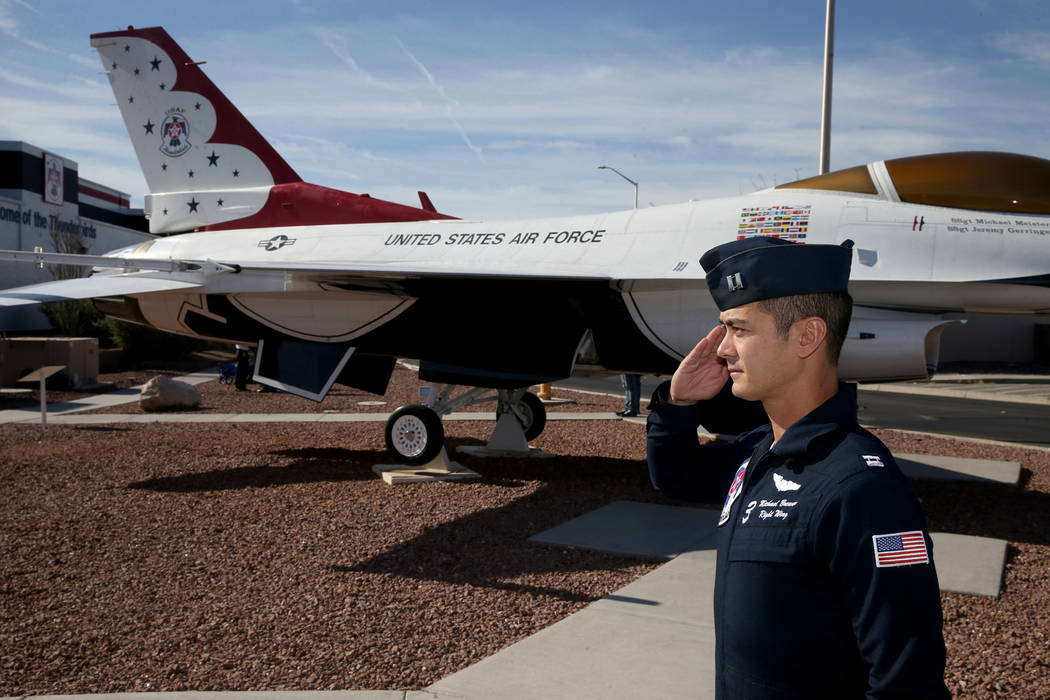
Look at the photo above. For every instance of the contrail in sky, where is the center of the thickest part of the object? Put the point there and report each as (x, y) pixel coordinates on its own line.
(448, 101)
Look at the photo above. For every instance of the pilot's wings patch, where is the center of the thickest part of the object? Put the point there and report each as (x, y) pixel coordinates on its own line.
(783, 484)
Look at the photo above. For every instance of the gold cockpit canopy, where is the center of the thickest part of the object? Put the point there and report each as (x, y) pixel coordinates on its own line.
(984, 180)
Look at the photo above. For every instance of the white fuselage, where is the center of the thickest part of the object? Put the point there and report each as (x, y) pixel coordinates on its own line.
(910, 263)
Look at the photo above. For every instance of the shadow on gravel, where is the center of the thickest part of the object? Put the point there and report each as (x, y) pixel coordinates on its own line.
(987, 510)
(312, 465)
(473, 550)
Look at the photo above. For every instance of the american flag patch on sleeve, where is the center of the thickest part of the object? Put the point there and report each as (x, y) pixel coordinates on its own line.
(900, 549)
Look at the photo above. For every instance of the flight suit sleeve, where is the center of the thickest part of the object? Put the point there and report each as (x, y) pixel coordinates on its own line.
(679, 466)
(895, 609)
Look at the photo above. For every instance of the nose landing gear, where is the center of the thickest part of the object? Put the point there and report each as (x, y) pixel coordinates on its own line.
(415, 435)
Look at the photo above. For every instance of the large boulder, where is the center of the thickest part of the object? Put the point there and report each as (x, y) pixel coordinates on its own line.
(166, 394)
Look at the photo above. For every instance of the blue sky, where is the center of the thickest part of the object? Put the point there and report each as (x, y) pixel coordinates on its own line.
(503, 110)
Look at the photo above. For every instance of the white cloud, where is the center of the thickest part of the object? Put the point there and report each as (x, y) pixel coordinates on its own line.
(8, 25)
(71, 87)
(1028, 46)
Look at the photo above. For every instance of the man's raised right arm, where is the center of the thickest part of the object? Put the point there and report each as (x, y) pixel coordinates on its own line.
(679, 467)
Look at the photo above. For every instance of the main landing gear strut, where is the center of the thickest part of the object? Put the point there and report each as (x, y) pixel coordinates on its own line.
(415, 435)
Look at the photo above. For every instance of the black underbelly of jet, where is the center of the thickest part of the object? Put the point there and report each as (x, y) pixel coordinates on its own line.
(495, 333)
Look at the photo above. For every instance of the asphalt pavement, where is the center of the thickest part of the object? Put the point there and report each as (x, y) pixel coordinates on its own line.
(1003, 407)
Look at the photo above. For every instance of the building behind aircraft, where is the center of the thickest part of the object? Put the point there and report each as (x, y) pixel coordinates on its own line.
(44, 203)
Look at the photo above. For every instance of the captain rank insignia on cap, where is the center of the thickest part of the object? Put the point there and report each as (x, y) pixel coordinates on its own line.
(735, 282)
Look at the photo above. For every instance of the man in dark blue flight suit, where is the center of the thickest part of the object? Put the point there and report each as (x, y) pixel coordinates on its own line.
(825, 586)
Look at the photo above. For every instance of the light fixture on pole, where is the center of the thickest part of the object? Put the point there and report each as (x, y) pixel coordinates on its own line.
(606, 167)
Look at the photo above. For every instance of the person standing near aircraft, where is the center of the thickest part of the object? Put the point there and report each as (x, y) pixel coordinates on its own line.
(825, 584)
(242, 373)
(632, 389)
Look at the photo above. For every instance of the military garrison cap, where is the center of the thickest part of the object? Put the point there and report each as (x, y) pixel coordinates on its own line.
(752, 269)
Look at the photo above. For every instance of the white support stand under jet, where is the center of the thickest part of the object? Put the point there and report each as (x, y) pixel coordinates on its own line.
(440, 468)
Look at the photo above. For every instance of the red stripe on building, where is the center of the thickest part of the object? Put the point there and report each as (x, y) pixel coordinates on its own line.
(111, 198)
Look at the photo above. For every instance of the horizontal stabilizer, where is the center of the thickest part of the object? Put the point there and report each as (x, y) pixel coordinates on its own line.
(87, 288)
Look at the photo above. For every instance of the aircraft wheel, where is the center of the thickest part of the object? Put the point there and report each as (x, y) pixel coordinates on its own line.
(535, 415)
(414, 434)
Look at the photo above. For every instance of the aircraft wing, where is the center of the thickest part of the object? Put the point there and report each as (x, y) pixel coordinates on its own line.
(89, 287)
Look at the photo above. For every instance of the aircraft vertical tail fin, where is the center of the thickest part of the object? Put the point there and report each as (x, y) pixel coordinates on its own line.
(205, 164)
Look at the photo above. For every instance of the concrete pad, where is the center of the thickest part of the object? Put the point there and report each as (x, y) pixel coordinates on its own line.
(682, 589)
(637, 529)
(636, 643)
(959, 468)
(967, 564)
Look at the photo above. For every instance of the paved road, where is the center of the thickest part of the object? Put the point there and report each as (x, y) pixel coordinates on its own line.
(990, 420)
(983, 418)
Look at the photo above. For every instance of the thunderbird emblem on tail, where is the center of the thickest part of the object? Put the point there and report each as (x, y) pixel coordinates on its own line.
(175, 134)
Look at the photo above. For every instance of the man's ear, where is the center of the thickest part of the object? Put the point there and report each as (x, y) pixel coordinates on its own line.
(812, 332)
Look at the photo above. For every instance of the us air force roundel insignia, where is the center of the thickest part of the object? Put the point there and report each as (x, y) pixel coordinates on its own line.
(277, 242)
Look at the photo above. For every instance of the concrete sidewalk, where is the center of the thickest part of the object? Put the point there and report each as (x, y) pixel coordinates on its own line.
(89, 402)
(74, 418)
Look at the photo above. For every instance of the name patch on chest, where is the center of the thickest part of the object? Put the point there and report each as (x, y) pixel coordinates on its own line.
(775, 509)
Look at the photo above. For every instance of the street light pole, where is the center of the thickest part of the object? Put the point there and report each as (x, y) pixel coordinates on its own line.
(606, 167)
(825, 113)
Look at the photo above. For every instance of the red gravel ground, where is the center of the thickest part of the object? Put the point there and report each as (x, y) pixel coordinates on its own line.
(269, 556)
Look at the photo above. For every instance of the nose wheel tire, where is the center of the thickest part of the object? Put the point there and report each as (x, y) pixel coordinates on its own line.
(533, 416)
(414, 434)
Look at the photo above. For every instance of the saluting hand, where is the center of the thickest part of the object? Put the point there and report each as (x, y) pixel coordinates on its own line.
(702, 373)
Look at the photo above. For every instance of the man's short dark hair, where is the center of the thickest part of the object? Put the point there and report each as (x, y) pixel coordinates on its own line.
(835, 308)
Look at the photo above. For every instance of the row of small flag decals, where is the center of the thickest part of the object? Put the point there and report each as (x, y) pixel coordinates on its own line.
(790, 222)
